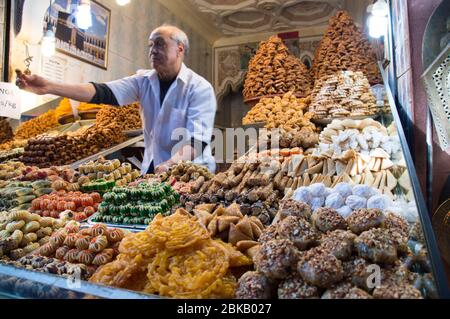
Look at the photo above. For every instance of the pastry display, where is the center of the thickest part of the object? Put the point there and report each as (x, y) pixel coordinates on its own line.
(126, 117)
(274, 71)
(136, 205)
(103, 175)
(11, 155)
(39, 125)
(230, 225)
(304, 138)
(19, 195)
(51, 266)
(187, 172)
(336, 263)
(320, 205)
(344, 94)
(287, 112)
(367, 137)
(346, 198)
(345, 48)
(79, 205)
(22, 233)
(11, 170)
(174, 257)
(92, 247)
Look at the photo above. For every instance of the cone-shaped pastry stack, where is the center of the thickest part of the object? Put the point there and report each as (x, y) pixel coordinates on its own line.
(274, 71)
(344, 47)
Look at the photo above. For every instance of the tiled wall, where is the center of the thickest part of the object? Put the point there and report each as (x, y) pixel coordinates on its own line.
(130, 28)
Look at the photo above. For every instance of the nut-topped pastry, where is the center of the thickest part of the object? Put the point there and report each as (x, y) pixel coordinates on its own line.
(320, 268)
(364, 219)
(253, 285)
(377, 245)
(328, 219)
(298, 231)
(276, 258)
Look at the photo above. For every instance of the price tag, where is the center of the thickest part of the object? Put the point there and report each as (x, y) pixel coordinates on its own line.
(9, 101)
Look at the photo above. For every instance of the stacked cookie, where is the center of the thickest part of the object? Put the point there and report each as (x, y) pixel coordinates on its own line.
(274, 71)
(343, 94)
(344, 47)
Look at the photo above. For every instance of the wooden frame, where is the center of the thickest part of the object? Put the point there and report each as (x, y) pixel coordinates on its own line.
(89, 47)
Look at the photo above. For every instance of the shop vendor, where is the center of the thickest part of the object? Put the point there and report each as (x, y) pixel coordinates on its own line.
(178, 105)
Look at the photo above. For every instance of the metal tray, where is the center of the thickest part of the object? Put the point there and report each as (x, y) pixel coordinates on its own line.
(134, 133)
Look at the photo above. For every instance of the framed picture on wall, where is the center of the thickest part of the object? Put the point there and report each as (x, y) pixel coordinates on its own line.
(89, 45)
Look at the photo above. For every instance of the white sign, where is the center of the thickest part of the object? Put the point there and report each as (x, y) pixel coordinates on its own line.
(9, 101)
(54, 68)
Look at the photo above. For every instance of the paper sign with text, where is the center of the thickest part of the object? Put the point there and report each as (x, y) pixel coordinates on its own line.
(9, 101)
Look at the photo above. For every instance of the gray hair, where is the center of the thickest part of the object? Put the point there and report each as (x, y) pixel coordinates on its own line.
(180, 37)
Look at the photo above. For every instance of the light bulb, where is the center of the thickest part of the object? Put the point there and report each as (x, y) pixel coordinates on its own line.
(122, 2)
(380, 8)
(48, 44)
(84, 16)
(377, 26)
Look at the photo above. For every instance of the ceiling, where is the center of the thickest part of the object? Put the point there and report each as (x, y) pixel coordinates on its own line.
(242, 17)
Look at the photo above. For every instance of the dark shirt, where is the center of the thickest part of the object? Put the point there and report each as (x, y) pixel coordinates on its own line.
(164, 87)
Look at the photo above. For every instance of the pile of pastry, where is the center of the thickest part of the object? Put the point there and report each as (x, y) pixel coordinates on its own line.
(273, 71)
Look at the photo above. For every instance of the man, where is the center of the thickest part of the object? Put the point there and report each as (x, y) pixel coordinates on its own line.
(172, 97)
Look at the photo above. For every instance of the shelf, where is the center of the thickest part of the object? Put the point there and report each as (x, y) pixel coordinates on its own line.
(430, 238)
(109, 151)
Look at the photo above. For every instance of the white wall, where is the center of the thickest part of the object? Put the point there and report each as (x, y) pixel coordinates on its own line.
(130, 28)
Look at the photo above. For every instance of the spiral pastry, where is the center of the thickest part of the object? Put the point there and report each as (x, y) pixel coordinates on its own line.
(114, 235)
(71, 240)
(72, 229)
(104, 257)
(71, 256)
(99, 230)
(82, 243)
(61, 252)
(86, 257)
(47, 249)
(57, 239)
(98, 244)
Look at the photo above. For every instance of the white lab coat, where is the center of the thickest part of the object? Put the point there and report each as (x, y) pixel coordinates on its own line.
(189, 105)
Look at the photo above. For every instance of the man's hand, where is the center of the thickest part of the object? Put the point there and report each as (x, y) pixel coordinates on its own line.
(32, 83)
(163, 167)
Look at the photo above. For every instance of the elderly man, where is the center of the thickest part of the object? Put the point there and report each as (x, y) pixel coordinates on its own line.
(174, 99)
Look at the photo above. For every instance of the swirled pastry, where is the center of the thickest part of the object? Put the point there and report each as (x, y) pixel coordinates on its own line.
(82, 243)
(71, 256)
(57, 239)
(61, 252)
(104, 257)
(99, 230)
(47, 249)
(86, 257)
(98, 244)
(71, 240)
(114, 235)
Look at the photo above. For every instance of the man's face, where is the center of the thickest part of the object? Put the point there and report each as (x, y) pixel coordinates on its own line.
(163, 51)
